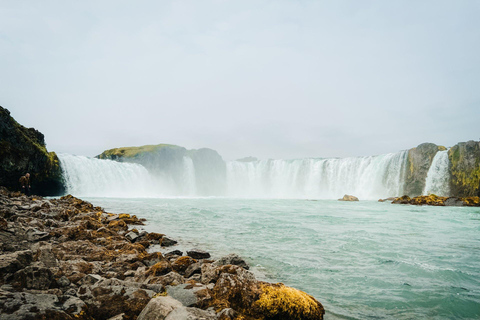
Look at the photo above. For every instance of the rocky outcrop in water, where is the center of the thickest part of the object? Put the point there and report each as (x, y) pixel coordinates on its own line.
(465, 169)
(348, 198)
(66, 259)
(172, 161)
(418, 162)
(23, 150)
(434, 200)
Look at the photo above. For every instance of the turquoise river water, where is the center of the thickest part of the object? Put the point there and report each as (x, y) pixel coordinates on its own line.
(362, 260)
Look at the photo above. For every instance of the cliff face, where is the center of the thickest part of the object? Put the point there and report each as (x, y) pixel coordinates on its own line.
(167, 161)
(465, 169)
(23, 150)
(418, 162)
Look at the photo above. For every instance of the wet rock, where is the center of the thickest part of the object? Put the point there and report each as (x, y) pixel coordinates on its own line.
(198, 254)
(173, 253)
(159, 308)
(231, 259)
(167, 242)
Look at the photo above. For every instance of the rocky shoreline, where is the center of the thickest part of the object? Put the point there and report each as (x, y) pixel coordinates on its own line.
(67, 259)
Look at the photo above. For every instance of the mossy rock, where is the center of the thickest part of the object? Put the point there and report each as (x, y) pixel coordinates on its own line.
(23, 150)
(278, 301)
(465, 169)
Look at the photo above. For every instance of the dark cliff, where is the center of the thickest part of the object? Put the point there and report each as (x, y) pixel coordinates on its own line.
(23, 150)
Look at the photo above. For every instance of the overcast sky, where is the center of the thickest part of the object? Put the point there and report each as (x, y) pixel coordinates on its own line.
(272, 79)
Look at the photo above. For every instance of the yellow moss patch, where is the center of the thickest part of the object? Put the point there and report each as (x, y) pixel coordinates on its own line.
(159, 268)
(281, 302)
(123, 216)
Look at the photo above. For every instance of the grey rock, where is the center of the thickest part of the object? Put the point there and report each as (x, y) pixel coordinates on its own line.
(191, 314)
(198, 254)
(159, 308)
(185, 296)
(131, 236)
(231, 259)
(117, 317)
(73, 305)
(453, 201)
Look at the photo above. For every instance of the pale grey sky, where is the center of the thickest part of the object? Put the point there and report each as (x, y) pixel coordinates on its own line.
(272, 79)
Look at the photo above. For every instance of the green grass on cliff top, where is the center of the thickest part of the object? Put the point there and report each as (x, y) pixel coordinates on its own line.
(130, 152)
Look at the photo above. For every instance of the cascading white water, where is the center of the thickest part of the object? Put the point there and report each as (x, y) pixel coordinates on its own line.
(437, 181)
(189, 180)
(104, 178)
(365, 177)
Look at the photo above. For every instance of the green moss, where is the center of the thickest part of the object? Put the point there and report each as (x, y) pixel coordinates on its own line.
(132, 152)
(441, 148)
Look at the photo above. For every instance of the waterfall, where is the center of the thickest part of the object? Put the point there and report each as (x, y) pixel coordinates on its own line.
(365, 177)
(189, 180)
(370, 177)
(437, 181)
(104, 178)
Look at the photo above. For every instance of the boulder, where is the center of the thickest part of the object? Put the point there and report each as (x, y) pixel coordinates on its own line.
(348, 198)
(159, 308)
(198, 254)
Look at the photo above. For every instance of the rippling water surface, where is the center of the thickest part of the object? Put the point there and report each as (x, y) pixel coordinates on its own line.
(362, 260)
